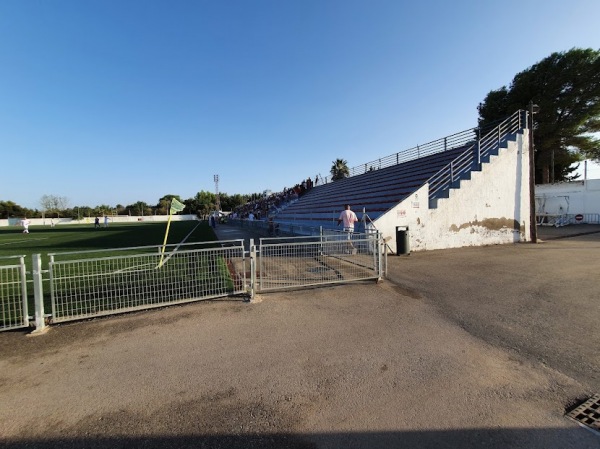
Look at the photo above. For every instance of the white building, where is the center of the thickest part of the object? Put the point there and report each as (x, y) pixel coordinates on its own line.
(568, 202)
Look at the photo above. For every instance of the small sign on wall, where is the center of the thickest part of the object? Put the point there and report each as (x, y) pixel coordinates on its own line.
(415, 203)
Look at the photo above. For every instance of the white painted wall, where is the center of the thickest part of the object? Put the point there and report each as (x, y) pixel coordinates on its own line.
(90, 220)
(577, 197)
(490, 208)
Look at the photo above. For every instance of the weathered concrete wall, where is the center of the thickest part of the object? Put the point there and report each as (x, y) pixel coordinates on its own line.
(90, 220)
(490, 208)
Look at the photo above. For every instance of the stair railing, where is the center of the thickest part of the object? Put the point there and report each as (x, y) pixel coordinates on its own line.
(475, 153)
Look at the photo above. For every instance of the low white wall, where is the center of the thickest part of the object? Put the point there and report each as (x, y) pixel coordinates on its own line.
(90, 220)
(490, 208)
(577, 197)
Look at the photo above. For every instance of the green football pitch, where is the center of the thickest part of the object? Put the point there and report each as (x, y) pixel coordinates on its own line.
(45, 240)
(207, 275)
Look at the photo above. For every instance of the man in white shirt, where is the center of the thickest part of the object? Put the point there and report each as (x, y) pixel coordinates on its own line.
(348, 218)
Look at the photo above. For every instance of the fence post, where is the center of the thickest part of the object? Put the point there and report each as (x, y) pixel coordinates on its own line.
(385, 256)
(252, 269)
(23, 275)
(381, 248)
(38, 292)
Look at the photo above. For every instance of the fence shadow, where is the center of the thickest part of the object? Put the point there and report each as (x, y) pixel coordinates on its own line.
(546, 438)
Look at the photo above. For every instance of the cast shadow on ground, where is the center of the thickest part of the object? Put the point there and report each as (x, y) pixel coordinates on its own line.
(548, 438)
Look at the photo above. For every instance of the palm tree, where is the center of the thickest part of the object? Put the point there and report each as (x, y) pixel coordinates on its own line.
(339, 170)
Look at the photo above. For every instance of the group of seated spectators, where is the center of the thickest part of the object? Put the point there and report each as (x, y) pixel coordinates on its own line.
(261, 208)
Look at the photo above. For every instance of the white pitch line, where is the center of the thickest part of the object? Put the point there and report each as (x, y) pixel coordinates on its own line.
(180, 243)
(21, 241)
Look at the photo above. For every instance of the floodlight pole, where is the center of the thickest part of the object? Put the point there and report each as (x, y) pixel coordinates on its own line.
(533, 109)
(217, 199)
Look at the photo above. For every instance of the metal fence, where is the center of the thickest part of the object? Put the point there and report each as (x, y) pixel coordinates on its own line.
(559, 220)
(87, 284)
(279, 228)
(13, 293)
(436, 146)
(83, 287)
(316, 260)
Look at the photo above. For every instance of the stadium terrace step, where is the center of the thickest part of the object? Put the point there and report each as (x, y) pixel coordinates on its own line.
(374, 192)
(377, 191)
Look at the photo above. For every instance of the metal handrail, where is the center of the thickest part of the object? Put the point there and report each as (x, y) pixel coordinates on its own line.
(372, 223)
(469, 136)
(475, 152)
(436, 146)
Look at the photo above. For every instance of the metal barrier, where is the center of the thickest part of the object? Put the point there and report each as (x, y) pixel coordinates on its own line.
(85, 287)
(283, 228)
(436, 146)
(369, 232)
(559, 220)
(13, 293)
(87, 284)
(477, 152)
(583, 218)
(297, 262)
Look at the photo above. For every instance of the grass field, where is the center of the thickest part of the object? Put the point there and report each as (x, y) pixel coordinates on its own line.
(66, 238)
(102, 277)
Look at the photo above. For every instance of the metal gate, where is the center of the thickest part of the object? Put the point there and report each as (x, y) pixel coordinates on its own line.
(317, 260)
(13, 293)
(89, 284)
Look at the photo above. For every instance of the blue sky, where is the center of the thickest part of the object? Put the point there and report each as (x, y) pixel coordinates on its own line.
(113, 102)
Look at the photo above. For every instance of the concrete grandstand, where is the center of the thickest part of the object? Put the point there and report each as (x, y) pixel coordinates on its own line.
(467, 191)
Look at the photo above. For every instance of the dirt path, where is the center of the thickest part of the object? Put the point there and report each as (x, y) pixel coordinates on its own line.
(357, 366)
(478, 347)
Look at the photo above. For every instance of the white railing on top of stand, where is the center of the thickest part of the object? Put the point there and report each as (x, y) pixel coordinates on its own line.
(436, 146)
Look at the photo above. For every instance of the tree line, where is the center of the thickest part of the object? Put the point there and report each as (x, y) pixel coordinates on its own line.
(565, 87)
(53, 206)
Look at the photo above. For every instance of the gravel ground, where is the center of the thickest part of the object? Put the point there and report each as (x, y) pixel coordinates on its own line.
(470, 348)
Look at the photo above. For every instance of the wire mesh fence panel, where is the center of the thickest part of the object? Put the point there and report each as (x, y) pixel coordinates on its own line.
(85, 288)
(13, 293)
(368, 233)
(294, 263)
